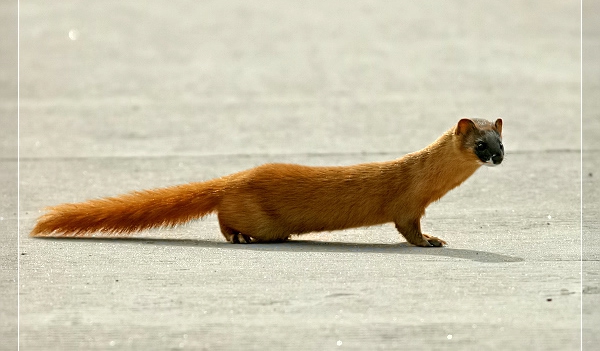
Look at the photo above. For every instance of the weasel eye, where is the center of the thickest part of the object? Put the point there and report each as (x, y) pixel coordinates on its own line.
(481, 146)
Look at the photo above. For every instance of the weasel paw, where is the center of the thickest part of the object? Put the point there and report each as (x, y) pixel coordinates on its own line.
(241, 239)
(434, 241)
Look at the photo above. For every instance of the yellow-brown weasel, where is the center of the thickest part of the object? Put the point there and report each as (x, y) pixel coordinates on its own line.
(273, 201)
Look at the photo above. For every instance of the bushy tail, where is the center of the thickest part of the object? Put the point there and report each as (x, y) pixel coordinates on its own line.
(132, 212)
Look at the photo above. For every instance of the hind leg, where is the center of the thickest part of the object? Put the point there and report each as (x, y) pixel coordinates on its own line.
(243, 227)
(235, 237)
(232, 235)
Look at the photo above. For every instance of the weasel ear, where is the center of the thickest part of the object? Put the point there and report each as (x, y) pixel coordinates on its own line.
(464, 126)
(498, 125)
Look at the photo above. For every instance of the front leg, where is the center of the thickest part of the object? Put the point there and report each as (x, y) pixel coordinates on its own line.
(411, 230)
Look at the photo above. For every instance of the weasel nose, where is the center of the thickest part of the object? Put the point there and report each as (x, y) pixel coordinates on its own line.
(497, 158)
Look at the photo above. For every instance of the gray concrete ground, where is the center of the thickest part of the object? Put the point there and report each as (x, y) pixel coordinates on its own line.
(590, 172)
(8, 176)
(119, 96)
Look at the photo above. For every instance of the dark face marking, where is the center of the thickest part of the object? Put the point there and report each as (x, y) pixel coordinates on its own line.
(488, 147)
(483, 137)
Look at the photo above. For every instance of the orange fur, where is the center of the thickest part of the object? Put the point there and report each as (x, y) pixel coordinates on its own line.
(270, 202)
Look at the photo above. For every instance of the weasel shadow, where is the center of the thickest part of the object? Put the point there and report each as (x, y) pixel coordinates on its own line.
(324, 246)
(394, 249)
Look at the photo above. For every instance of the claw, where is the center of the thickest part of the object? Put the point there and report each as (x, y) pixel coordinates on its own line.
(241, 239)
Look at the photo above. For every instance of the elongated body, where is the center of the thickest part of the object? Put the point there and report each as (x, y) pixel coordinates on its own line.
(273, 201)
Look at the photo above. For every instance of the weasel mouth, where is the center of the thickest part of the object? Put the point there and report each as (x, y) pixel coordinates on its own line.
(492, 161)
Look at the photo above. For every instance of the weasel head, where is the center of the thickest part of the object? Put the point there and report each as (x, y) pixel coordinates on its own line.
(483, 139)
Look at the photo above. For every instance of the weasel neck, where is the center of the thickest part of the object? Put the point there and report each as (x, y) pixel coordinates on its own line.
(440, 167)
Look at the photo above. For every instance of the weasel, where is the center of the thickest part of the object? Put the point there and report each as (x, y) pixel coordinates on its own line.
(273, 201)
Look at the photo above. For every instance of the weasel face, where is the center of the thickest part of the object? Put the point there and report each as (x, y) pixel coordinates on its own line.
(489, 148)
(484, 138)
